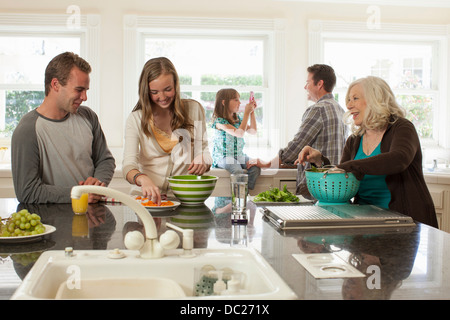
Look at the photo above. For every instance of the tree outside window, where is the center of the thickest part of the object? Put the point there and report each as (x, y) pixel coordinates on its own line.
(23, 59)
(18, 103)
(409, 75)
(206, 65)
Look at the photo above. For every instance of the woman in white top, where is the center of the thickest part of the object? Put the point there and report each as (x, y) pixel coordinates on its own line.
(164, 135)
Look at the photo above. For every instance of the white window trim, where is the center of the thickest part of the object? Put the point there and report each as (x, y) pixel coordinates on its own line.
(407, 3)
(274, 29)
(319, 30)
(58, 24)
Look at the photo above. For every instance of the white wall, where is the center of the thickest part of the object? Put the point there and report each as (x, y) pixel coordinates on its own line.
(296, 14)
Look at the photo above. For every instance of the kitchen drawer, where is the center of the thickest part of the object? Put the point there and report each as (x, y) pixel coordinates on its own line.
(438, 198)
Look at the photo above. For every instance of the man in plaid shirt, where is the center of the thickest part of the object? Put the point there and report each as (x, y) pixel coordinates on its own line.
(322, 126)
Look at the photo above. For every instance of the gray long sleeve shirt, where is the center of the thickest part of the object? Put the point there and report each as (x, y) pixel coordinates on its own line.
(49, 157)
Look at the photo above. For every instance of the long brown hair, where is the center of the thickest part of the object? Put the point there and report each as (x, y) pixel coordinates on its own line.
(153, 68)
(221, 109)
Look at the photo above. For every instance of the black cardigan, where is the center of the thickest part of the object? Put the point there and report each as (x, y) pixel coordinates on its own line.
(401, 161)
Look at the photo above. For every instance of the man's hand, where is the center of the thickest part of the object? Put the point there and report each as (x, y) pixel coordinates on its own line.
(91, 181)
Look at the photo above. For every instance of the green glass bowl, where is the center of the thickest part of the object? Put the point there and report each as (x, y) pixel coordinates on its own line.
(192, 189)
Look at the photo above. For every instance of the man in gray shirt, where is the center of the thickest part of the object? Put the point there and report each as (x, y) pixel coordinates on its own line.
(322, 126)
(60, 144)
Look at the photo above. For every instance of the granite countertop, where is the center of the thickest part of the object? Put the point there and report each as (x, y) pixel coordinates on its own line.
(411, 262)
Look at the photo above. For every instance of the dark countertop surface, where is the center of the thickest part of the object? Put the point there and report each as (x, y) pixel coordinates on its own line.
(405, 263)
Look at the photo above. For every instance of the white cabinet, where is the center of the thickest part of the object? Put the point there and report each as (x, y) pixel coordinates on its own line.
(269, 178)
(439, 187)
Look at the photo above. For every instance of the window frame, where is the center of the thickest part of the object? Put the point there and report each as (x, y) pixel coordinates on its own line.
(137, 28)
(57, 25)
(322, 30)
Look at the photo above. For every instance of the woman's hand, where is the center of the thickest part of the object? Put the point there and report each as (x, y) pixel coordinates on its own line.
(149, 189)
(198, 166)
(250, 107)
(310, 155)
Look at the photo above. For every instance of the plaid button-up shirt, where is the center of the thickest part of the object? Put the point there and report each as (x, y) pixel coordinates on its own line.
(323, 129)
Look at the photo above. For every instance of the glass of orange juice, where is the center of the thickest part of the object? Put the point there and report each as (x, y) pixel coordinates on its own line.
(80, 225)
(79, 206)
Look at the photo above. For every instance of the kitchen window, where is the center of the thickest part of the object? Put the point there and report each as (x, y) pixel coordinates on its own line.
(407, 67)
(206, 65)
(211, 54)
(23, 60)
(411, 58)
(26, 47)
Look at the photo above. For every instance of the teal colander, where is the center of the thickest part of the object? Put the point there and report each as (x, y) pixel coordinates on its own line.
(331, 186)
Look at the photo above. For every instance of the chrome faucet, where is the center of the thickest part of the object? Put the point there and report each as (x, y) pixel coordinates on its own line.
(150, 247)
(436, 161)
(435, 164)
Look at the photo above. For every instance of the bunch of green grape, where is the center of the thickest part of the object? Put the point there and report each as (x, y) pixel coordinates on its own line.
(22, 223)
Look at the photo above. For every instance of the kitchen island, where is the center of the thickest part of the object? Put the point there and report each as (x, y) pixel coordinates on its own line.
(397, 263)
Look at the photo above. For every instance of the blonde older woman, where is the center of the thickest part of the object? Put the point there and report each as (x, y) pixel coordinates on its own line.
(383, 152)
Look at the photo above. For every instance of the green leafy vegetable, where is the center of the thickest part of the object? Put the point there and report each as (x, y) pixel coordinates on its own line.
(276, 195)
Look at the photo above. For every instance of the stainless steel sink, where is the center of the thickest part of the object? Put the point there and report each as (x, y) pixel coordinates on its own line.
(102, 274)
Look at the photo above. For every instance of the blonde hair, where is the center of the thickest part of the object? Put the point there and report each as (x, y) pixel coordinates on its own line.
(382, 108)
(221, 109)
(154, 68)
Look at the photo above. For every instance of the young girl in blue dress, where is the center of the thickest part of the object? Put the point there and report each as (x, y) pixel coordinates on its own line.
(228, 144)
